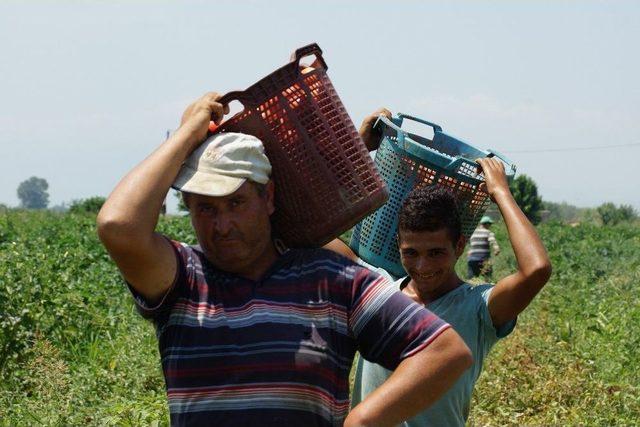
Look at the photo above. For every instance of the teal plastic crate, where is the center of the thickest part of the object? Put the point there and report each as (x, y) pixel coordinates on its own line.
(406, 160)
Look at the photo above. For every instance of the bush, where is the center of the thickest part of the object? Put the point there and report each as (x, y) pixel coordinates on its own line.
(525, 192)
(90, 205)
(612, 215)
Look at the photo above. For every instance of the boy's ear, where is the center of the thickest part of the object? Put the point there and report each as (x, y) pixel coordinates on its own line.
(460, 245)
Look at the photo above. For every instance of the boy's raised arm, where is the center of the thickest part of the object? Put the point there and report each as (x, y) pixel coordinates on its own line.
(513, 293)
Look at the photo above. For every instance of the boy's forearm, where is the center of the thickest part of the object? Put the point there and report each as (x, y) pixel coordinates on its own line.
(528, 248)
(513, 293)
(418, 382)
(339, 247)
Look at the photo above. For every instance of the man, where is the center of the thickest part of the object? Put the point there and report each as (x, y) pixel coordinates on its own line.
(430, 243)
(251, 333)
(480, 244)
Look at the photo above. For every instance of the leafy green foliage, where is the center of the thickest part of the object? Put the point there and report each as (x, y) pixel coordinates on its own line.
(572, 358)
(75, 352)
(611, 214)
(90, 205)
(33, 193)
(525, 192)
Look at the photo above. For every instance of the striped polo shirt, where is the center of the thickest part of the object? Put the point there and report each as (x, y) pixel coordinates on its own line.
(480, 244)
(277, 352)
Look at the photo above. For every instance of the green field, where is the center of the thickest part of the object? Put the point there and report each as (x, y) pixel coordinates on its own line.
(73, 351)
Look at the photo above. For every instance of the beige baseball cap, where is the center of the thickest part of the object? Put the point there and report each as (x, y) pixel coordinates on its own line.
(222, 163)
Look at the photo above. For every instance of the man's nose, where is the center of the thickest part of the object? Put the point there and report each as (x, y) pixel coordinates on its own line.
(223, 224)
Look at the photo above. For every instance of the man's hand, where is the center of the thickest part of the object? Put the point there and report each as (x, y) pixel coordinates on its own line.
(196, 118)
(370, 136)
(494, 176)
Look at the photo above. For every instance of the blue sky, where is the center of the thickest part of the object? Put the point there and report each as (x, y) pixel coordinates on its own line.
(88, 89)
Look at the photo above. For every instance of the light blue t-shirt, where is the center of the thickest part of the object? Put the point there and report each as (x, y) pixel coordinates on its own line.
(465, 309)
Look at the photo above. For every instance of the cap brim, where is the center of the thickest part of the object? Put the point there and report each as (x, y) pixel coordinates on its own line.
(206, 184)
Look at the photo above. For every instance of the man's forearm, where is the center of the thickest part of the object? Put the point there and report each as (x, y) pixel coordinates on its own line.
(134, 205)
(136, 201)
(418, 382)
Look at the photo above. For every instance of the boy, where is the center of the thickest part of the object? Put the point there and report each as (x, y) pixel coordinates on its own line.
(430, 243)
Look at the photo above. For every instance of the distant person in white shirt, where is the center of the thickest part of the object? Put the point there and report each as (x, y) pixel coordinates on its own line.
(480, 244)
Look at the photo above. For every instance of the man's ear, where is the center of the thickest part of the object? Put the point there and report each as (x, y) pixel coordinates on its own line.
(185, 199)
(270, 193)
(460, 245)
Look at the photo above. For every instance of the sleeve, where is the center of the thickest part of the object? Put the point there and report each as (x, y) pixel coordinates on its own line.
(387, 325)
(492, 333)
(153, 310)
(381, 271)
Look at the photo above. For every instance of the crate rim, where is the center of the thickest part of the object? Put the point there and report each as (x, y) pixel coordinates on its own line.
(423, 152)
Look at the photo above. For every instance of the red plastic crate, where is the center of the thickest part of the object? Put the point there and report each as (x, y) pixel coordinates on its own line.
(325, 179)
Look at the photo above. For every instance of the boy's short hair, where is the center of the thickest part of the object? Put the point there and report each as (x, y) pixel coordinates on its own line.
(431, 208)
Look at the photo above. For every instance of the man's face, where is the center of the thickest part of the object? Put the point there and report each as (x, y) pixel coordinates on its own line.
(234, 231)
(429, 257)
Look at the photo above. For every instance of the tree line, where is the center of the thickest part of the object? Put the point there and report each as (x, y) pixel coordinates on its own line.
(33, 194)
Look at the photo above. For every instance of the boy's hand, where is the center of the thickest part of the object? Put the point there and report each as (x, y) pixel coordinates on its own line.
(370, 136)
(196, 118)
(495, 178)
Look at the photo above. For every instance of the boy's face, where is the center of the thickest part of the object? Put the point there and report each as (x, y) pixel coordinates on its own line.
(429, 257)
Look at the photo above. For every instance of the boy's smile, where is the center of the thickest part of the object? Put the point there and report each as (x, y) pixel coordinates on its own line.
(429, 257)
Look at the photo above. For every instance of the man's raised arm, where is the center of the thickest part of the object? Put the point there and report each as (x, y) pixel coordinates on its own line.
(127, 221)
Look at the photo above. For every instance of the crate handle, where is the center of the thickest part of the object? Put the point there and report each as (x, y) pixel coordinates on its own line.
(384, 121)
(436, 128)
(236, 95)
(308, 50)
(505, 160)
(455, 163)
